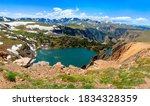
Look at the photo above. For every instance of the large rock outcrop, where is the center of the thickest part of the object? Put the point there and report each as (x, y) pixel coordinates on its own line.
(24, 62)
(26, 51)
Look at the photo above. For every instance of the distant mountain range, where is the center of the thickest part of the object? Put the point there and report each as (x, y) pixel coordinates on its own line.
(49, 21)
(70, 20)
(6, 19)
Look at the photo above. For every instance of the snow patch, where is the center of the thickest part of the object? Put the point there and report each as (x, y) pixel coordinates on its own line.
(19, 23)
(1, 43)
(20, 36)
(4, 30)
(48, 32)
(32, 31)
(14, 49)
(14, 29)
(40, 27)
(5, 19)
(11, 37)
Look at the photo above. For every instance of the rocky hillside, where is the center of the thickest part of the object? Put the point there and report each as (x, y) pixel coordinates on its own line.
(127, 67)
(123, 54)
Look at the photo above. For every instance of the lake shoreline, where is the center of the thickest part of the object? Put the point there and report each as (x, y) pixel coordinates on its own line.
(69, 53)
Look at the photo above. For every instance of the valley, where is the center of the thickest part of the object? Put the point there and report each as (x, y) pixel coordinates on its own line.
(80, 53)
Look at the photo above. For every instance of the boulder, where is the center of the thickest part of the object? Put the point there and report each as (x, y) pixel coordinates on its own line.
(3, 54)
(23, 61)
(58, 66)
(71, 70)
(41, 63)
(26, 51)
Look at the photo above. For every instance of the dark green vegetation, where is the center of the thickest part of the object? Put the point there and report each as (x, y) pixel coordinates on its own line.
(61, 41)
(50, 41)
(11, 76)
(8, 42)
(108, 78)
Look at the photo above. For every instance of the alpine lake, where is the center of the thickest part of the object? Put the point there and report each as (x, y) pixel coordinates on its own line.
(69, 56)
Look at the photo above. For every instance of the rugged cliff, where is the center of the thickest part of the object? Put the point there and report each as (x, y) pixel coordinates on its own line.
(123, 53)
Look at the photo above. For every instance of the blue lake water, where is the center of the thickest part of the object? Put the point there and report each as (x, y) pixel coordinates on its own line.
(69, 56)
(107, 52)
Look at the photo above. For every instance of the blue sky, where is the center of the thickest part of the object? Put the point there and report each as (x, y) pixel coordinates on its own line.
(123, 11)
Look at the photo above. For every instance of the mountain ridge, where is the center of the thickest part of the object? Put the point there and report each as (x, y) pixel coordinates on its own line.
(67, 20)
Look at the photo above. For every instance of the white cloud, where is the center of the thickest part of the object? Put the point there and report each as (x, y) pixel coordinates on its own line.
(82, 15)
(105, 18)
(130, 20)
(67, 12)
(60, 13)
(141, 19)
(4, 13)
(21, 15)
(122, 18)
(39, 14)
(57, 10)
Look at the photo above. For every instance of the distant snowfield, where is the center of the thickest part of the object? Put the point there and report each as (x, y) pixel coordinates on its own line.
(1, 43)
(30, 26)
(40, 27)
(11, 37)
(19, 23)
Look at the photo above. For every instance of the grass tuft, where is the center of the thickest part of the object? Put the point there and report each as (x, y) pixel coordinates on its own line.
(11, 76)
